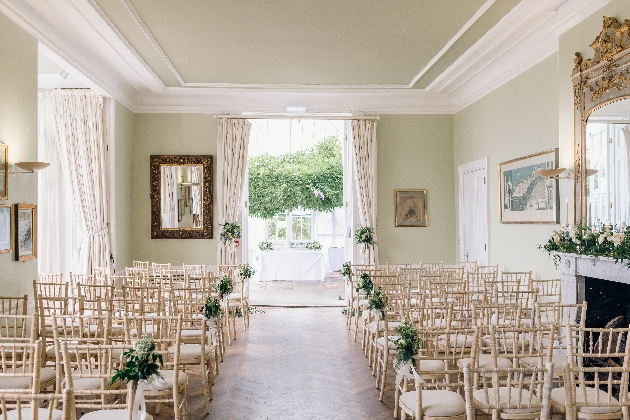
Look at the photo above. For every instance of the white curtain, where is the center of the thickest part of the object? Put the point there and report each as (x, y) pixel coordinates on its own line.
(77, 121)
(169, 197)
(196, 192)
(233, 140)
(364, 145)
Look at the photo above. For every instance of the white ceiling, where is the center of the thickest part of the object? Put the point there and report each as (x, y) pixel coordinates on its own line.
(408, 56)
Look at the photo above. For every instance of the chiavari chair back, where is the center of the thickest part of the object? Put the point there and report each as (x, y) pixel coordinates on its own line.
(412, 277)
(431, 268)
(13, 305)
(159, 270)
(395, 268)
(516, 280)
(468, 266)
(50, 289)
(141, 265)
(20, 366)
(197, 270)
(493, 269)
(50, 278)
(549, 291)
(144, 300)
(19, 327)
(81, 278)
(42, 406)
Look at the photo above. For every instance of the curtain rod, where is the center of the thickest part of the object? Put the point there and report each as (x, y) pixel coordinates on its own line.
(297, 117)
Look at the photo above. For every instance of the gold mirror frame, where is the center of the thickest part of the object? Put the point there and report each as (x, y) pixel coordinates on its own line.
(597, 82)
(156, 197)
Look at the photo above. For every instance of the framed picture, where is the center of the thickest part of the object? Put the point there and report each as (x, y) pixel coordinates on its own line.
(4, 172)
(526, 197)
(6, 228)
(411, 208)
(25, 232)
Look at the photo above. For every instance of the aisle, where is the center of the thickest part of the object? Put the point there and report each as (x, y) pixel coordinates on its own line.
(295, 363)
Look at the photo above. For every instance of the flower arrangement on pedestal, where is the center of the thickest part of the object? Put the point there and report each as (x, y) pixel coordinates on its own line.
(265, 246)
(603, 241)
(141, 362)
(364, 235)
(346, 270)
(230, 231)
(313, 246)
(365, 283)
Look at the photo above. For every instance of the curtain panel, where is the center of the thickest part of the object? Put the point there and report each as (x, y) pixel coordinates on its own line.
(74, 121)
(364, 146)
(233, 140)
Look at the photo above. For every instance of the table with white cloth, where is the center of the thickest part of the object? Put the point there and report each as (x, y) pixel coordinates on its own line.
(291, 265)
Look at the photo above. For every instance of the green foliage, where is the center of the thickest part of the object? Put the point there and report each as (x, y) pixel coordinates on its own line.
(212, 308)
(246, 271)
(407, 344)
(238, 312)
(265, 246)
(378, 301)
(140, 362)
(364, 235)
(365, 283)
(602, 241)
(230, 231)
(346, 270)
(309, 179)
(313, 246)
(225, 286)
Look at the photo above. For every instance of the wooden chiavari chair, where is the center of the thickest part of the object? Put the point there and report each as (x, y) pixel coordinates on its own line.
(21, 371)
(140, 265)
(431, 268)
(50, 278)
(13, 305)
(516, 280)
(549, 291)
(488, 269)
(42, 406)
(468, 266)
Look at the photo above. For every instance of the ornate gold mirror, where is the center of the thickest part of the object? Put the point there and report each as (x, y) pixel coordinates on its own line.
(181, 197)
(602, 137)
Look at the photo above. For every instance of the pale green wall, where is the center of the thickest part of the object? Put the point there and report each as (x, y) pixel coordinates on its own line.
(18, 129)
(416, 152)
(170, 134)
(518, 119)
(123, 187)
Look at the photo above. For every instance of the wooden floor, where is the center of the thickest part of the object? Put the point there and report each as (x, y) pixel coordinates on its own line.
(293, 363)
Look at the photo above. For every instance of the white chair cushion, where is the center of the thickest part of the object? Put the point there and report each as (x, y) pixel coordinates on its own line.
(480, 397)
(485, 361)
(43, 413)
(120, 414)
(381, 341)
(559, 397)
(189, 351)
(182, 378)
(46, 375)
(234, 296)
(457, 341)
(430, 365)
(435, 403)
(557, 359)
(191, 333)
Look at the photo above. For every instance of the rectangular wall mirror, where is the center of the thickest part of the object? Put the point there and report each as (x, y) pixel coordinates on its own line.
(181, 196)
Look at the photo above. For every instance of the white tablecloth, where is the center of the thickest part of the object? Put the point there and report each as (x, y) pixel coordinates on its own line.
(291, 265)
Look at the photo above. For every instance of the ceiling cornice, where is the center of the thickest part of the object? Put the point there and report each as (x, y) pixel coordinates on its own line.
(78, 35)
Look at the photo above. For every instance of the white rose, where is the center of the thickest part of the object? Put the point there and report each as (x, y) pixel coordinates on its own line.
(577, 241)
(601, 238)
(556, 239)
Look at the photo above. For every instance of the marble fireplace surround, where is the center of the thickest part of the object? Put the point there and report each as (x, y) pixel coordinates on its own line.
(574, 268)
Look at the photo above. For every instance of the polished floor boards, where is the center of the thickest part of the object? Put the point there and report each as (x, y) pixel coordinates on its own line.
(293, 363)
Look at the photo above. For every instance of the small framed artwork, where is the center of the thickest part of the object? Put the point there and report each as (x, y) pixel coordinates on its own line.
(25, 232)
(411, 208)
(526, 197)
(4, 172)
(6, 228)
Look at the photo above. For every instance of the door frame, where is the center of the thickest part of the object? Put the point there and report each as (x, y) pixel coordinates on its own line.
(476, 165)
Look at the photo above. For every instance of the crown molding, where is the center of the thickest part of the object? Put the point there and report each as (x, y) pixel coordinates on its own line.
(78, 36)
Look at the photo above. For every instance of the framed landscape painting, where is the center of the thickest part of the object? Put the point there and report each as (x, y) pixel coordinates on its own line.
(4, 172)
(25, 232)
(6, 225)
(526, 197)
(411, 208)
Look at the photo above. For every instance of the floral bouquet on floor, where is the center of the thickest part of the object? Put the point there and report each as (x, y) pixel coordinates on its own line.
(141, 362)
(603, 241)
(364, 235)
(230, 231)
(378, 301)
(313, 246)
(365, 284)
(265, 246)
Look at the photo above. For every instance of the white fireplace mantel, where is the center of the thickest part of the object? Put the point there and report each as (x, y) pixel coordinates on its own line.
(574, 268)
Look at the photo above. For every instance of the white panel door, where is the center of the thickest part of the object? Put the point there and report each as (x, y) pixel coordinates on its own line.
(473, 212)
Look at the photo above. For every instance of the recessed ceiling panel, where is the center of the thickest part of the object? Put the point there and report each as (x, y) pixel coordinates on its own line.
(303, 42)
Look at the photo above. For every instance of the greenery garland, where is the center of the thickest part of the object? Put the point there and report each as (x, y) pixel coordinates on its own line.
(212, 308)
(140, 362)
(602, 241)
(265, 246)
(246, 271)
(365, 283)
(378, 301)
(308, 179)
(230, 231)
(364, 235)
(313, 246)
(407, 344)
(225, 286)
(346, 270)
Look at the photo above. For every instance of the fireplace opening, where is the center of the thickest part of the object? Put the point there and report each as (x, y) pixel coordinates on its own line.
(606, 300)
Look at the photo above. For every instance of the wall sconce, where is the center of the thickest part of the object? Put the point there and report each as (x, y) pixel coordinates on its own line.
(555, 173)
(28, 167)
